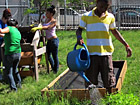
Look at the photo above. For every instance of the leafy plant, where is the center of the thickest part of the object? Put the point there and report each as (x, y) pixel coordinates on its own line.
(121, 99)
(30, 94)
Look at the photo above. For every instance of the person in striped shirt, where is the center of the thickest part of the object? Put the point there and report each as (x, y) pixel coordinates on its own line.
(98, 22)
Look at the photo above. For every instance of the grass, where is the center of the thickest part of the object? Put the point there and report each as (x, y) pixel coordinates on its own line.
(30, 94)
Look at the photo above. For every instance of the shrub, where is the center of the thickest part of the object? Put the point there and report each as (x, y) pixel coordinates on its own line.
(121, 99)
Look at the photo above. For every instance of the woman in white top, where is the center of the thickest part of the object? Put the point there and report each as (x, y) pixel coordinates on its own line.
(52, 40)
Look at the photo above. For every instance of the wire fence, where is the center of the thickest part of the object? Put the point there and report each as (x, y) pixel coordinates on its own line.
(127, 16)
(18, 8)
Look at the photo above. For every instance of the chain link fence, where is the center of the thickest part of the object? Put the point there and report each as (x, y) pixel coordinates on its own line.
(17, 7)
(127, 16)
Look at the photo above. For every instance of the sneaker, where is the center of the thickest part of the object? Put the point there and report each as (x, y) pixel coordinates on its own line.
(12, 90)
(55, 72)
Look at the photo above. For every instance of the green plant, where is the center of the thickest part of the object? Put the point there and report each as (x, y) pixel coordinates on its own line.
(121, 99)
(30, 94)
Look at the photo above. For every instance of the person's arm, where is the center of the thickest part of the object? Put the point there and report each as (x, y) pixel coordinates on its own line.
(118, 36)
(51, 25)
(1, 35)
(4, 31)
(79, 36)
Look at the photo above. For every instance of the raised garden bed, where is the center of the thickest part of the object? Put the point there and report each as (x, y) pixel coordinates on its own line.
(71, 83)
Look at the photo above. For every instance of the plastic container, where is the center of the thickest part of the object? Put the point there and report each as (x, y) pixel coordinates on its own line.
(78, 60)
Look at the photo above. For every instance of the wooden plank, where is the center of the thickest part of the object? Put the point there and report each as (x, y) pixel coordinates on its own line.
(35, 64)
(103, 91)
(55, 80)
(81, 94)
(40, 51)
(36, 38)
(119, 83)
(26, 73)
(78, 93)
(27, 59)
(122, 75)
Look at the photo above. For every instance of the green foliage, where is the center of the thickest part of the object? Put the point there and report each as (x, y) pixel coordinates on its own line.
(29, 10)
(121, 99)
(30, 94)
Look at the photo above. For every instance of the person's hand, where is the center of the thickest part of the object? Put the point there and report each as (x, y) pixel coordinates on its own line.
(36, 28)
(32, 25)
(129, 51)
(80, 40)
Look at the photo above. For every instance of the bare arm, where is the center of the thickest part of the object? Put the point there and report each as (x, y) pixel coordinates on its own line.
(3, 31)
(118, 36)
(1, 35)
(53, 23)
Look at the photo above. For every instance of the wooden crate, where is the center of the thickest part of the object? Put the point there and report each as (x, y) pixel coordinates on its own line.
(81, 92)
(27, 59)
(31, 51)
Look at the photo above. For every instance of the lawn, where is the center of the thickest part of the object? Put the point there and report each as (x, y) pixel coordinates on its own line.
(30, 94)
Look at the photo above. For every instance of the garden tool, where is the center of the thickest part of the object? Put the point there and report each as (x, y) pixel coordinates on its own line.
(78, 61)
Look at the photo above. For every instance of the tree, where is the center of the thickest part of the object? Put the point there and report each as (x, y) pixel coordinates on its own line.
(39, 6)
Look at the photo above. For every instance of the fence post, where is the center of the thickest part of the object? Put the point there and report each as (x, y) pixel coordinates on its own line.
(6, 3)
(65, 12)
(118, 16)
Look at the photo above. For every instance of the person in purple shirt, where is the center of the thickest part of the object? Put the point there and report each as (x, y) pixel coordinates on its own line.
(52, 40)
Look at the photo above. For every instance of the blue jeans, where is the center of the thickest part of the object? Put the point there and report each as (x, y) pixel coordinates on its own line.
(52, 48)
(11, 73)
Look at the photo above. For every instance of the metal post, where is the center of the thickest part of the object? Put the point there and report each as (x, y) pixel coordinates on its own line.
(65, 12)
(21, 13)
(6, 2)
(28, 22)
(118, 16)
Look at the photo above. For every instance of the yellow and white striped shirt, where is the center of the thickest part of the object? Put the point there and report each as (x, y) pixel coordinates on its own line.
(99, 41)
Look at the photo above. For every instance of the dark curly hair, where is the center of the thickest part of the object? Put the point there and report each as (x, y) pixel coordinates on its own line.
(7, 13)
(12, 22)
(51, 9)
